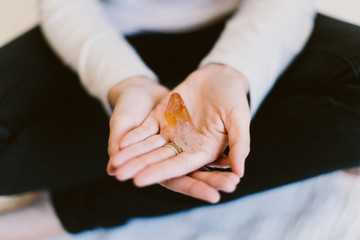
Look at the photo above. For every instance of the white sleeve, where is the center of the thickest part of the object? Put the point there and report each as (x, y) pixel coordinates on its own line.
(261, 39)
(84, 39)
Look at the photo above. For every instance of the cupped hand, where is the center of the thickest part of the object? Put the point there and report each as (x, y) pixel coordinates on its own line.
(133, 100)
(216, 97)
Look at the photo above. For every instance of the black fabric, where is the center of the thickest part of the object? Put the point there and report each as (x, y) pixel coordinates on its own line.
(308, 124)
(50, 129)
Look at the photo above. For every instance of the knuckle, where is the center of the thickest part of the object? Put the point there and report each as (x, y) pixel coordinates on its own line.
(244, 155)
(196, 175)
(246, 150)
(183, 164)
(136, 134)
(243, 149)
(113, 120)
(146, 128)
(111, 150)
(156, 140)
(142, 161)
(191, 188)
(150, 142)
(119, 118)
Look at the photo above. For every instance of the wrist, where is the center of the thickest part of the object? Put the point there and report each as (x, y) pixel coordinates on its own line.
(226, 71)
(136, 81)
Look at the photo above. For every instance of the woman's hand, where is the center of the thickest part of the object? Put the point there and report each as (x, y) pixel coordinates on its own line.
(133, 99)
(216, 97)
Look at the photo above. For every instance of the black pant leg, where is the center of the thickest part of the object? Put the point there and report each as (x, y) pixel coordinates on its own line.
(52, 133)
(308, 125)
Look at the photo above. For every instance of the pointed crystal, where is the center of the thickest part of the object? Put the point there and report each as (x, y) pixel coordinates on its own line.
(181, 127)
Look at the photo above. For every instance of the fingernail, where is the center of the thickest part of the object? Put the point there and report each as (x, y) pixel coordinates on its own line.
(140, 183)
(123, 145)
(230, 189)
(240, 172)
(143, 182)
(236, 180)
(110, 170)
(123, 176)
(215, 199)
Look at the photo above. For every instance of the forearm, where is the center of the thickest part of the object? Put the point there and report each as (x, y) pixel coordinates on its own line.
(261, 39)
(84, 39)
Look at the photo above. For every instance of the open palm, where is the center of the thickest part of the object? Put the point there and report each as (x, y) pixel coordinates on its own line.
(215, 96)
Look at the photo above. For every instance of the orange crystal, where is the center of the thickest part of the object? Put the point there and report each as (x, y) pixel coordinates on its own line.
(176, 112)
(182, 129)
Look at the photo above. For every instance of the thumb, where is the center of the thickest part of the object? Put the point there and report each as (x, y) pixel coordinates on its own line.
(131, 108)
(238, 128)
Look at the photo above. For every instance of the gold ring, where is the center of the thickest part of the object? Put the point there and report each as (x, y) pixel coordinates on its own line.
(175, 147)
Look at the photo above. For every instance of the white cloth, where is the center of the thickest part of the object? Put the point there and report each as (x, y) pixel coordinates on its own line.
(260, 40)
(321, 208)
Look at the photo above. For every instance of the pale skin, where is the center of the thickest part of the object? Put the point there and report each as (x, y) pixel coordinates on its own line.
(216, 97)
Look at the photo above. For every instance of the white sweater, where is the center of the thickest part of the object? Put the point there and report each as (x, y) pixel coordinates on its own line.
(260, 40)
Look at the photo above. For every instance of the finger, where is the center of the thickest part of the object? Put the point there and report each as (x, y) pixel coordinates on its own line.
(123, 120)
(110, 169)
(119, 126)
(148, 128)
(130, 111)
(223, 181)
(176, 166)
(222, 162)
(131, 168)
(192, 187)
(238, 126)
(137, 149)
